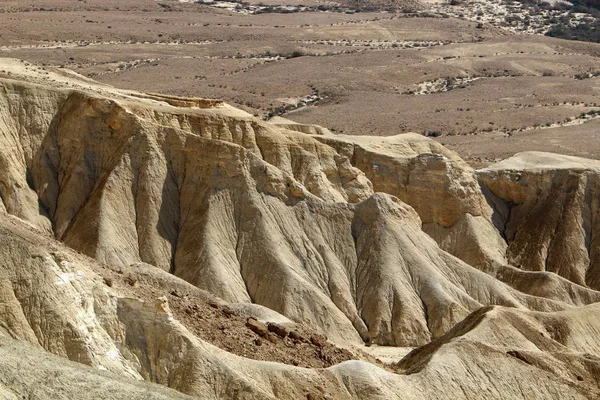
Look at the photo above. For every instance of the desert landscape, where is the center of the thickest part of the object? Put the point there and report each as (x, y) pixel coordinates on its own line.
(299, 200)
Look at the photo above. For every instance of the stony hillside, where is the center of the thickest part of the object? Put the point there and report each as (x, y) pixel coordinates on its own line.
(184, 242)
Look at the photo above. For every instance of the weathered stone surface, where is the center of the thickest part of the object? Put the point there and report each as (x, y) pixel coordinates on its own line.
(385, 241)
(257, 327)
(433, 180)
(547, 207)
(253, 213)
(279, 330)
(438, 184)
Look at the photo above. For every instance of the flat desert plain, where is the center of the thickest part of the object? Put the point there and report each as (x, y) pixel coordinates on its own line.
(483, 90)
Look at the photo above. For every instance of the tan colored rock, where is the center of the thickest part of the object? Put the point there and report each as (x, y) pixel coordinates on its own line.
(175, 199)
(257, 327)
(253, 213)
(164, 351)
(27, 372)
(547, 208)
(295, 126)
(543, 345)
(438, 184)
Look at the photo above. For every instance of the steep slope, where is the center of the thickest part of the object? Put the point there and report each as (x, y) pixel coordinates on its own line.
(254, 213)
(460, 213)
(82, 315)
(201, 227)
(63, 303)
(26, 372)
(547, 208)
(540, 347)
(437, 183)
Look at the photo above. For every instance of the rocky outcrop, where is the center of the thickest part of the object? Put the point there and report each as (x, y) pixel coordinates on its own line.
(551, 354)
(469, 219)
(438, 184)
(549, 346)
(27, 372)
(547, 208)
(388, 241)
(246, 211)
(295, 126)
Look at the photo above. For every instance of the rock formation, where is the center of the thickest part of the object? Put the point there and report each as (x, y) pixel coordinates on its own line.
(437, 183)
(153, 236)
(547, 208)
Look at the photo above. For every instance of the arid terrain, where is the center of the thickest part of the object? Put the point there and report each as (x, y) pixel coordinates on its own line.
(272, 200)
(482, 88)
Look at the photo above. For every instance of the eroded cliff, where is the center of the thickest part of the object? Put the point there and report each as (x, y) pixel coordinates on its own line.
(187, 206)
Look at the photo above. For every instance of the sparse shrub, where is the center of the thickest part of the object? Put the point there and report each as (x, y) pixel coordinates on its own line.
(588, 32)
